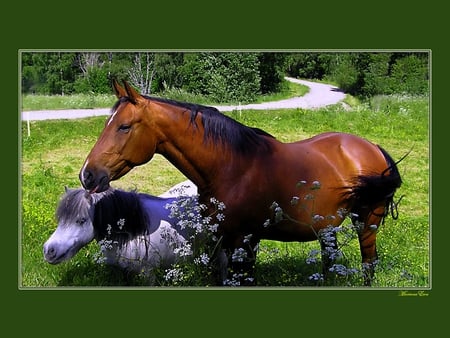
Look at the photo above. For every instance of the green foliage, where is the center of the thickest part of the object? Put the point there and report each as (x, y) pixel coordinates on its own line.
(410, 75)
(366, 74)
(47, 73)
(345, 72)
(375, 74)
(167, 74)
(272, 69)
(309, 65)
(224, 77)
(227, 77)
(96, 81)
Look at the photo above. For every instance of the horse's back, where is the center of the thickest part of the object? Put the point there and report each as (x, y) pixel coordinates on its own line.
(348, 154)
(331, 161)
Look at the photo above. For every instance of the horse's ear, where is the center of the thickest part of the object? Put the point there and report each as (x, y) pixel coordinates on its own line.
(118, 90)
(133, 95)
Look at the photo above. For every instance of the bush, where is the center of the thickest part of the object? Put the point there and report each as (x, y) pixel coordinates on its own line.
(309, 65)
(375, 74)
(272, 70)
(96, 81)
(345, 73)
(410, 75)
(224, 77)
(369, 74)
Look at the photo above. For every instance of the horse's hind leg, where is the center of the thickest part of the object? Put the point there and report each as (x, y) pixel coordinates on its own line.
(366, 224)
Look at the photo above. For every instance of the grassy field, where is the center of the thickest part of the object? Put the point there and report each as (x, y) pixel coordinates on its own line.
(53, 155)
(86, 101)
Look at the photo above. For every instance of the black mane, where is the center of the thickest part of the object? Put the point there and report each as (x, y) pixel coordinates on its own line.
(119, 216)
(218, 127)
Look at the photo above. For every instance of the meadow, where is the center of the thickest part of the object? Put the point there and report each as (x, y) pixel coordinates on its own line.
(53, 154)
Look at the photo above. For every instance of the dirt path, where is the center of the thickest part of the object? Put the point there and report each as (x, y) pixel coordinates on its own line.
(319, 95)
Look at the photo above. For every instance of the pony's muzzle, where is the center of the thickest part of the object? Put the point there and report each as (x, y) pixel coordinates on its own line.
(50, 254)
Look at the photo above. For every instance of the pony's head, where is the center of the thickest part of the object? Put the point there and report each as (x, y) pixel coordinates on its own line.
(120, 146)
(75, 226)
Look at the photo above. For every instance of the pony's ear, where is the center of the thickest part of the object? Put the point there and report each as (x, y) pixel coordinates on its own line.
(133, 95)
(66, 189)
(118, 90)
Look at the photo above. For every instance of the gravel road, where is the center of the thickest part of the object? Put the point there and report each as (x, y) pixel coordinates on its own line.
(319, 95)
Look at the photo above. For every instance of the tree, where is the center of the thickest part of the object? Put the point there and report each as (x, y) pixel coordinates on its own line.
(224, 77)
(168, 74)
(142, 71)
(272, 69)
(308, 65)
(88, 60)
(375, 74)
(344, 71)
(48, 72)
(410, 75)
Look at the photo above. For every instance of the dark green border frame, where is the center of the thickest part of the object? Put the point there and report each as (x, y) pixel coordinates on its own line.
(281, 25)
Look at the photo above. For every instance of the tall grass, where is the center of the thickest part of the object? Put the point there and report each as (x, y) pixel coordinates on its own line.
(53, 155)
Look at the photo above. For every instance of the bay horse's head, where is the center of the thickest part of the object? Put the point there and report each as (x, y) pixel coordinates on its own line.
(120, 146)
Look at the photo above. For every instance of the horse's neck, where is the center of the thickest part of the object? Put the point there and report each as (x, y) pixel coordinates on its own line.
(185, 148)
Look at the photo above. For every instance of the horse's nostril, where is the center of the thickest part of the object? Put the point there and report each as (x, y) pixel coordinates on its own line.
(94, 181)
(86, 178)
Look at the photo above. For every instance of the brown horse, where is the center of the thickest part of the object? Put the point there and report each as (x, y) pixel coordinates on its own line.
(248, 170)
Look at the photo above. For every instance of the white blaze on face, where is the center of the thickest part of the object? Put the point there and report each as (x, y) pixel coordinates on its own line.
(83, 170)
(112, 118)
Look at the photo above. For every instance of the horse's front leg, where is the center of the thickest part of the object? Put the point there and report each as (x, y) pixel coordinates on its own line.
(329, 253)
(241, 263)
(220, 266)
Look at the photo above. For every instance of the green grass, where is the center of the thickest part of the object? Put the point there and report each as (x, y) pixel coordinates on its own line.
(74, 101)
(86, 101)
(53, 155)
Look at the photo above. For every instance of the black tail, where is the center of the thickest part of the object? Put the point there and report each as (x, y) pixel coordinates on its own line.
(371, 190)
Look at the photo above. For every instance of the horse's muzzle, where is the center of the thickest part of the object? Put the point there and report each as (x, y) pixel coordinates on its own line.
(94, 182)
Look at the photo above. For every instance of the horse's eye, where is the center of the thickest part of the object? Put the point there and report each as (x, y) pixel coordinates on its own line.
(81, 221)
(124, 128)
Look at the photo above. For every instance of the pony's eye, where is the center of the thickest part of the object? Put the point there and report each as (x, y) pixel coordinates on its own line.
(81, 221)
(124, 128)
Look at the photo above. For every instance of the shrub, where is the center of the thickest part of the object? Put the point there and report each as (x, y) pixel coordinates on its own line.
(224, 77)
(409, 75)
(96, 81)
